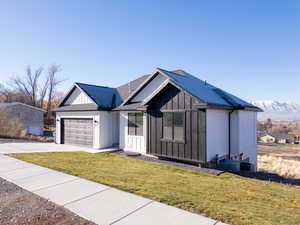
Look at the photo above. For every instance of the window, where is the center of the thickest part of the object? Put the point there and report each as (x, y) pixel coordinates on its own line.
(167, 125)
(131, 124)
(173, 126)
(135, 124)
(178, 125)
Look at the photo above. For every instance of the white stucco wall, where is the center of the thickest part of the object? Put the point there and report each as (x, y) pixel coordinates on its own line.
(150, 88)
(217, 136)
(242, 137)
(123, 129)
(243, 134)
(109, 132)
(115, 127)
(78, 97)
(247, 138)
(132, 143)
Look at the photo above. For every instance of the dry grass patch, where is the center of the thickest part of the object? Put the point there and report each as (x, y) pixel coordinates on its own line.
(281, 160)
(228, 198)
(278, 165)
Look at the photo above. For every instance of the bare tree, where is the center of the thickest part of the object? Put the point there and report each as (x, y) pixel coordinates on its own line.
(58, 96)
(3, 94)
(8, 95)
(43, 92)
(28, 85)
(53, 83)
(34, 87)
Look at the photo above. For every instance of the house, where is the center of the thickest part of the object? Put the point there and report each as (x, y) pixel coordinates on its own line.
(32, 118)
(169, 114)
(267, 138)
(284, 138)
(281, 138)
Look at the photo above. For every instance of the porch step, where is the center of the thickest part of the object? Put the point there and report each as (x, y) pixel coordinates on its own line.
(110, 149)
(130, 154)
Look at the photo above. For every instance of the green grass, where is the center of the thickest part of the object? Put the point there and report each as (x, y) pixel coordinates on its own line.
(228, 198)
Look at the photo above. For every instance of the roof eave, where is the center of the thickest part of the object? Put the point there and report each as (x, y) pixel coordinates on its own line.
(256, 109)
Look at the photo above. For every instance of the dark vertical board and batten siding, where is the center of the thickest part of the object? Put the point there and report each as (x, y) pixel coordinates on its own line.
(193, 149)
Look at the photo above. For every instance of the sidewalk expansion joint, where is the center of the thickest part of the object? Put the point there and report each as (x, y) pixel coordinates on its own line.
(85, 197)
(8, 171)
(134, 211)
(54, 185)
(39, 174)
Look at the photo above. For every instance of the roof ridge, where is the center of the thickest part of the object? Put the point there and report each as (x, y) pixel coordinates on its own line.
(94, 85)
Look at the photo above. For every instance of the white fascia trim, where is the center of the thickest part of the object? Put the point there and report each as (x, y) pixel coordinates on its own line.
(75, 85)
(145, 82)
(162, 86)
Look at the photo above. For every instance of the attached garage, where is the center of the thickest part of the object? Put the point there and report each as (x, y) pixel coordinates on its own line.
(77, 131)
(84, 117)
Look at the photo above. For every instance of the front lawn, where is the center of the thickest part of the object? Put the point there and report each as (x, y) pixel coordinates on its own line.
(228, 198)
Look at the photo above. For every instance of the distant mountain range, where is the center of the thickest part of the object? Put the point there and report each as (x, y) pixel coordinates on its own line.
(278, 110)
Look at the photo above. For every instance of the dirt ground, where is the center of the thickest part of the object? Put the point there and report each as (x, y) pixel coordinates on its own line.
(20, 207)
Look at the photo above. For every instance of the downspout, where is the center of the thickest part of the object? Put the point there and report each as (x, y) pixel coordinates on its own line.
(229, 133)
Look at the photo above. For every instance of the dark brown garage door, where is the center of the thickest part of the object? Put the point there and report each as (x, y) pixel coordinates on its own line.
(77, 131)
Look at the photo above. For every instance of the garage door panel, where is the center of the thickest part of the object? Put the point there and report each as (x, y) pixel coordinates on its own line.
(78, 131)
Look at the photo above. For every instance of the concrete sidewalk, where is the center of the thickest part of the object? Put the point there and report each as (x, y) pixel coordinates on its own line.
(98, 203)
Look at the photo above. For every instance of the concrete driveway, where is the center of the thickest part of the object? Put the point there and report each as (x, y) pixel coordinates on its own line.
(30, 147)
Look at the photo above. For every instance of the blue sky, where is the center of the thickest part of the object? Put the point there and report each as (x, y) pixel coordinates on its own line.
(249, 48)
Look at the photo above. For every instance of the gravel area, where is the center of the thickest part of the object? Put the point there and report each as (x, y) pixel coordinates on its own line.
(20, 207)
(171, 163)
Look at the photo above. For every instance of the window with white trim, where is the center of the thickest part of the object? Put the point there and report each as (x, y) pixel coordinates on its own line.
(135, 124)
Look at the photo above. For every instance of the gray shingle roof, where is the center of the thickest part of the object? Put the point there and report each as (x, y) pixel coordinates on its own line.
(126, 89)
(283, 136)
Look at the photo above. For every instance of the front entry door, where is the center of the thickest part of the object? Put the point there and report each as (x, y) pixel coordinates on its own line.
(135, 138)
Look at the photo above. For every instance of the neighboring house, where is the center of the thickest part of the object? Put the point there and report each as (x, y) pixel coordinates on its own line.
(283, 138)
(267, 138)
(32, 118)
(169, 114)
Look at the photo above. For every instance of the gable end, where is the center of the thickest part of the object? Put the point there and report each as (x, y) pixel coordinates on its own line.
(76, 96)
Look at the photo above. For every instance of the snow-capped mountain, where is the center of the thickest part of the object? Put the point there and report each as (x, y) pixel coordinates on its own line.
(278, 110)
